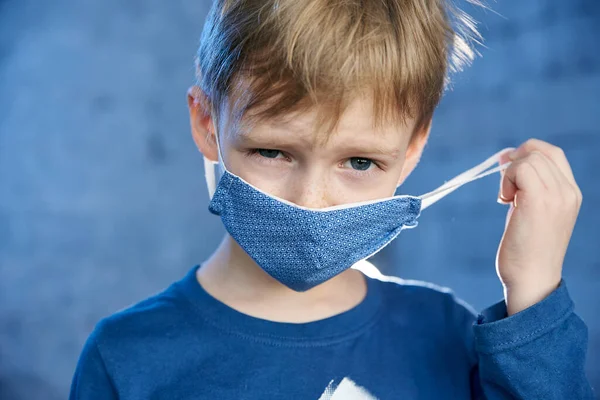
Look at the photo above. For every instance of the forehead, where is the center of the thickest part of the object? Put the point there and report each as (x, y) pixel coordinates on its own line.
(356, 126)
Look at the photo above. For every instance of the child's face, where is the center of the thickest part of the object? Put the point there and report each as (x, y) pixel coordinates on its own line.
(289, 160)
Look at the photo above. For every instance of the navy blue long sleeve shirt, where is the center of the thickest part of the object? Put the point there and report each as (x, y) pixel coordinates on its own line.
(405, 340)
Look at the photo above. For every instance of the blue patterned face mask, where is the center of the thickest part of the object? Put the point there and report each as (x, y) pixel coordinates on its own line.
(304, 247)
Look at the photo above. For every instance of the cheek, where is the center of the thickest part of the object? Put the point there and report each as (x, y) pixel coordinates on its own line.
(352, 190)
(382, 183)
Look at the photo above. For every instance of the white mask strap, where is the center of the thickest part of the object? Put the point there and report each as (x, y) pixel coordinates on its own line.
(210, 173)
(471, 175)
(211, 176)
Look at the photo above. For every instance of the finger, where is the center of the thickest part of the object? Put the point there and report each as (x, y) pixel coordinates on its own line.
(527, 175)
(501, 198)
(563, 187)
(504, 158)
(554, 153)
(564, 174)
(553, 179)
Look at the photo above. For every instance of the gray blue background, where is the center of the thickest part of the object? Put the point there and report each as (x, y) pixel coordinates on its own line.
(102, 196)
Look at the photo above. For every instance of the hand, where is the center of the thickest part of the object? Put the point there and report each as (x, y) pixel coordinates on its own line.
(545, 201)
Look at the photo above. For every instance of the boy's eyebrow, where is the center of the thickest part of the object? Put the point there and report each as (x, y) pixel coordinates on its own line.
(371, 149)
(280, 140)
(367, 148)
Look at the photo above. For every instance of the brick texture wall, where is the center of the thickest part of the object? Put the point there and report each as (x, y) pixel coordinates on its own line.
(102, 198)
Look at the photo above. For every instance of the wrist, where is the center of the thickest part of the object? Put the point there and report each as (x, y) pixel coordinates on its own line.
(519, 298)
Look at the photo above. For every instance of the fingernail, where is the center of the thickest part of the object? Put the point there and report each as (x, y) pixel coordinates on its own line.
(512, 155)
(502, 198)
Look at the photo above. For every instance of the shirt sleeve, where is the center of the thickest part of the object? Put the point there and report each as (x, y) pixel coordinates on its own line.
(91, 379)
(538, 353)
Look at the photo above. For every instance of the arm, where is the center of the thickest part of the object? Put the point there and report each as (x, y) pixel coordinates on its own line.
(532, 345)
(91, 380)
(538, 353)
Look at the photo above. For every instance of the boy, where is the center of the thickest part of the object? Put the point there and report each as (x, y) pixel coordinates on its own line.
(317, 110)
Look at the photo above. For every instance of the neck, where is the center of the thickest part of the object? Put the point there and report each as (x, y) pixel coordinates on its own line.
(232, 277)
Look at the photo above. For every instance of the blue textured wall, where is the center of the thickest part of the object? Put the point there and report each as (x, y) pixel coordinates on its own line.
(102, 198)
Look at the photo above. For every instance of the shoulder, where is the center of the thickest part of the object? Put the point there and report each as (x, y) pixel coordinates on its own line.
(426, 310)
(416, 297)
(122, 341)
(146, 323)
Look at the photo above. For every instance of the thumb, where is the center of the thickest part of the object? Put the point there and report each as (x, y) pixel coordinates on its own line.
(506, 191)
(508, 186)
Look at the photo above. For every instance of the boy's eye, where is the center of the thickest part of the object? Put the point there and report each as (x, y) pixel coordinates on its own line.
(360, 164)
(268, 153)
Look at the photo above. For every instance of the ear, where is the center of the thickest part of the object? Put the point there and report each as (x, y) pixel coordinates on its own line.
(201, 123)
(414, 151)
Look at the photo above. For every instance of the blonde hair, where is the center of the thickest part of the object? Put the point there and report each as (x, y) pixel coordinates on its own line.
(269, 58)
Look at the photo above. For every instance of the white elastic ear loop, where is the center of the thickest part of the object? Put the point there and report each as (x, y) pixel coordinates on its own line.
(211, 177)
(471, 175)
(210, 173)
